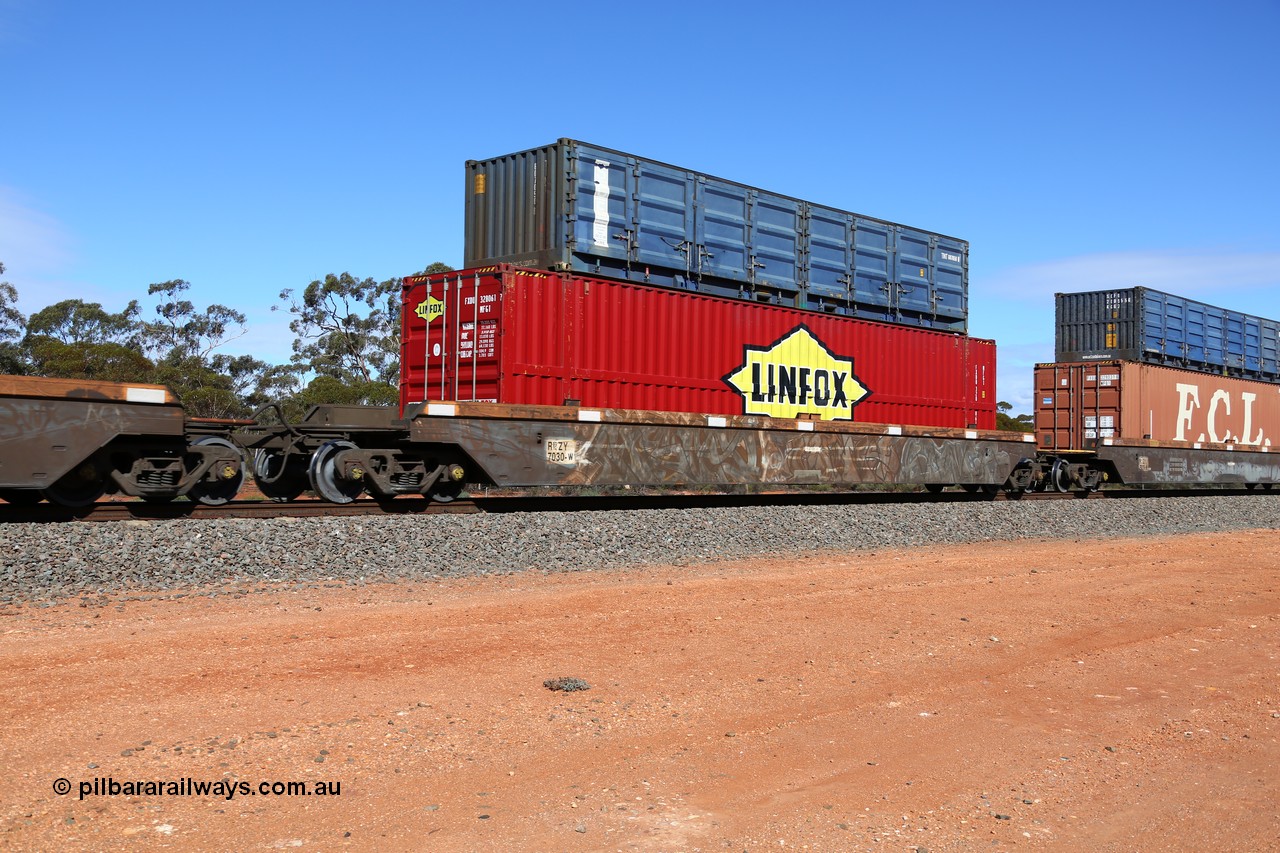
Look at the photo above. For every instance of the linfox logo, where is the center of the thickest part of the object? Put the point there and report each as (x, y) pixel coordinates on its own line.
(797, 375)
(429, 309)
(1219, 405)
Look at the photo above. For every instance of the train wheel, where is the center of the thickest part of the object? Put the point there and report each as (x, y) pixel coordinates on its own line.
(443, 493)
(21, 497)
(276, 475)
(934, 488)
(1060, 476)
(78, 488)
(324, 476)
(449, 485)
(230, 479)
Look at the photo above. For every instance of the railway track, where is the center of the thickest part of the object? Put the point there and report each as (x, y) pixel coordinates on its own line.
(264, 509)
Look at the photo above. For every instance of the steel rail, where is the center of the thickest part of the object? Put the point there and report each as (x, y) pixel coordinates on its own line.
(265, 509)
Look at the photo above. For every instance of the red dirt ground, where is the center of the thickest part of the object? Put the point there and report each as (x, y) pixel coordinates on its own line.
(1091, 695)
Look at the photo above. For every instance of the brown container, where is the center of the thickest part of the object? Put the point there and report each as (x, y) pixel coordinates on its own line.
(1078, 403)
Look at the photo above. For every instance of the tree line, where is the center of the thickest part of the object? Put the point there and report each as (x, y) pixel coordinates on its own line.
(346, 346)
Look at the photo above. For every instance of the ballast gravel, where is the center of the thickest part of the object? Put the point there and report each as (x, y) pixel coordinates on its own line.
(57, 561)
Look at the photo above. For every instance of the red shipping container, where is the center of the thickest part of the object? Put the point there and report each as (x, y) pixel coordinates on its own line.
(1078, 403)
(527, 337)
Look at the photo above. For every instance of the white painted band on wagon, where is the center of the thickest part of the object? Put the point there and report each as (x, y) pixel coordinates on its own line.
(145, 395)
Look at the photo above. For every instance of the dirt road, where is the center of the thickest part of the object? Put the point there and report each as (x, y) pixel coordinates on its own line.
(1109, 695)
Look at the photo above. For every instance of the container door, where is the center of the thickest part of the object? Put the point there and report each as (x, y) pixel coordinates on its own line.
(452, 340)
(872, 252)
(663, 218)
(412, 345)
(436, 312)
(1126, 331)
(951, 281)
(1055, 389)
(1194, 335)
(602, 219)
(1101, 401)
(475, 366)
(1196, 332)
(1251, 331)
(1215, 336)
(1077, 404)
(914, 273)
(722, 229)
(830, 256)
(517, 208)
(1166, 325)
(1233, 344)
(775, 244)
(1269, 348)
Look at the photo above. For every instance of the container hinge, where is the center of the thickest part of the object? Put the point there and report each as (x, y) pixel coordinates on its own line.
(683, 248)
(627, 236)
(896, 290)
(703, 255)
(851, 294)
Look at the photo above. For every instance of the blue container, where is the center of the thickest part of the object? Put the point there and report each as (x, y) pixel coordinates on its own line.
(574, 206)
(1140, 324)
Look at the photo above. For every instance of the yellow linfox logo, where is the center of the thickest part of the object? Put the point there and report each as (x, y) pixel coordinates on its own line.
(797, 375)
(429, 309)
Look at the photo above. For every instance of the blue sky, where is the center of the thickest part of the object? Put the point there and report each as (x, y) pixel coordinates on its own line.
(250, 147)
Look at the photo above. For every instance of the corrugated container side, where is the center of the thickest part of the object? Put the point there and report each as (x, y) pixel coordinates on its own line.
(1100, 324)
(534, 337)
(1140, 324)
(512, 205)
(571, 206)
(1078, 403)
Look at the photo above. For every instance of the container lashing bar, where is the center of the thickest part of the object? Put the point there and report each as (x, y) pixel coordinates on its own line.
(475, 331)
(457, 345)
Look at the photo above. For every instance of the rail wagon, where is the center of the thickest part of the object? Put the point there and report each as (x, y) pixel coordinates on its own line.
(1134, 422)
(72, 441)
